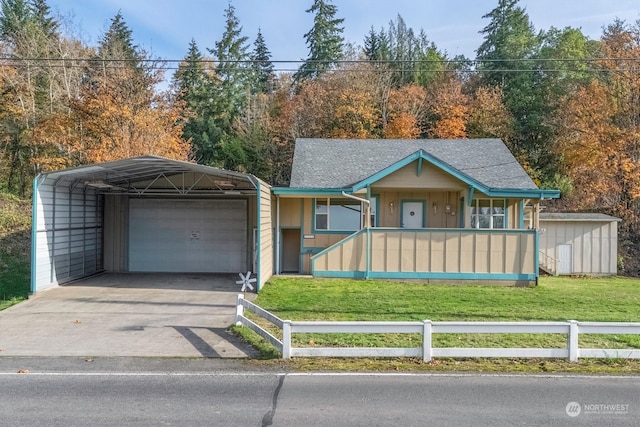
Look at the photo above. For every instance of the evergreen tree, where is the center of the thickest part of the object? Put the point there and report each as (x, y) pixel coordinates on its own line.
(232, 64)
(194, 84)
(41, 13)
(117, 42)
(508, 39)
(324, 40)
(506, 59)
(263, 67)
(235, 75)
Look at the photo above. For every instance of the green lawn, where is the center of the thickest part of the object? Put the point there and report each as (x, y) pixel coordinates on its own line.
(555, 299)
(15, 241)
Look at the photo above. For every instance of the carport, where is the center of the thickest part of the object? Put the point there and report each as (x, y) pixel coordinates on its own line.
(149, 214)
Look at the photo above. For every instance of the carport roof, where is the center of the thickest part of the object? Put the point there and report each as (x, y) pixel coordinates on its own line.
(119, 175)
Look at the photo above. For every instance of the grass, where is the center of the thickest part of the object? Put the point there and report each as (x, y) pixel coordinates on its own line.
(555, 299)
(15, 240)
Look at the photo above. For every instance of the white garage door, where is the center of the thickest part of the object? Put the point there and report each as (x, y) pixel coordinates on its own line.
(188, 236)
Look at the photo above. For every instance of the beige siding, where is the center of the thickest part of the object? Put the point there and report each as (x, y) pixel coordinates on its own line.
(390, 207)
(266, 233)
(455, 251)
(430, 177)
(290, 212)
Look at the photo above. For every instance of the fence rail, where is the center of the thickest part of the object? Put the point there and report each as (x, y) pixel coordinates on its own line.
(572, 329)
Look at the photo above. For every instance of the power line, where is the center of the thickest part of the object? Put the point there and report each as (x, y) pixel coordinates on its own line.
(450, 65)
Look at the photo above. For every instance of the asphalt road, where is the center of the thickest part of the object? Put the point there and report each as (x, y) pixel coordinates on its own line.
(237, 398)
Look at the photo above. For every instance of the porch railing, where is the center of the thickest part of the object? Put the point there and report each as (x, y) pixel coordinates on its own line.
(460, 254)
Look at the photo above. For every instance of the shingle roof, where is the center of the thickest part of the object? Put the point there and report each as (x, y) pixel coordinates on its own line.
(342, 163)
(577, 217)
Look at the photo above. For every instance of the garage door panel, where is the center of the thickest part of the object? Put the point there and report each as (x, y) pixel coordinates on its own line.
(188, 236)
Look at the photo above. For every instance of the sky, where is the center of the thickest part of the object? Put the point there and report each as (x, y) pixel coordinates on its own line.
(165, 27)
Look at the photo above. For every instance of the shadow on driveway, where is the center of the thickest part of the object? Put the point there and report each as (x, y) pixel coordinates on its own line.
(132, 315)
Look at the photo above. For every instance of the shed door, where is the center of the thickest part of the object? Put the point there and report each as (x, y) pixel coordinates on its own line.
(565, 257)
(188, 236)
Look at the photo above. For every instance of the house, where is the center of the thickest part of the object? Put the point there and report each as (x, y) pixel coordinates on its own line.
(437, 209)
(395, 209)
(579, 244)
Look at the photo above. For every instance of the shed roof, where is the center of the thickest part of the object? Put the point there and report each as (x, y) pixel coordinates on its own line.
(577, 217)
(341, 163)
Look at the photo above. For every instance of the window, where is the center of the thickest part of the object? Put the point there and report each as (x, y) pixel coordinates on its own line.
(373, 202)
(341, 214)
(487, 213)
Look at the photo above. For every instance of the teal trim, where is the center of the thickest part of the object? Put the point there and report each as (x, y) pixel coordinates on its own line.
(288, 191)
(313, 221)
(524, 193)
(456, 230)
(521, 214)
(473, 183)
(345, 240)
(461, 214)
(259, 233)
(367, 259)
(537, 255)
(427, 275)
(377, 196)
(419, 171)
(301, 252)
(388, 170)
(340, 274)
(424, 211)
(34, 233)
(506, 214)
(470, 196)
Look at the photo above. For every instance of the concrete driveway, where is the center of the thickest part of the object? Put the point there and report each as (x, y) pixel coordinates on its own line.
(111, 315)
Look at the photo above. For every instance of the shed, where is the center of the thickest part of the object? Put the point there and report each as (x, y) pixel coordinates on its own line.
(149, 214)
(579, 243)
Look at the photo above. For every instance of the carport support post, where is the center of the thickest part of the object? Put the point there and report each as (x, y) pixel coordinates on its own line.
(239, 309)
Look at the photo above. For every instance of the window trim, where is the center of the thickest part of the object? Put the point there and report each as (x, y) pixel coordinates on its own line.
(475, 218)
(328, 230)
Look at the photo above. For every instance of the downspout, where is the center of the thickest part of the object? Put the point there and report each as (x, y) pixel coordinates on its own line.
(367, 225)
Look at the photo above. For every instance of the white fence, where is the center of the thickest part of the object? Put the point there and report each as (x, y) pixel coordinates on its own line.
(427, 328)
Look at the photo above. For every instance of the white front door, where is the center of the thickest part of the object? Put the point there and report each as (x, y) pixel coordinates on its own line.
(412, 215)
(565, 257)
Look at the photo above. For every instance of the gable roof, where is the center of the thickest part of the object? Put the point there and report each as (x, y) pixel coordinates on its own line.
(485, 164)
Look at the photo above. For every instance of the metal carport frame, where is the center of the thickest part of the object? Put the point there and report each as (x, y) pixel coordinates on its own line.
(68, 231)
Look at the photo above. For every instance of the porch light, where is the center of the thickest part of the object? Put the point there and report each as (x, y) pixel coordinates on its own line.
(435, 207)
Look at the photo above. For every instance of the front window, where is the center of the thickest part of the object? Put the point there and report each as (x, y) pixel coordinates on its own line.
(341, 214)
(486, 213)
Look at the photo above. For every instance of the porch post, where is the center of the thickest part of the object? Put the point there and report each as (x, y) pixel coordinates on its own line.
(277, 235)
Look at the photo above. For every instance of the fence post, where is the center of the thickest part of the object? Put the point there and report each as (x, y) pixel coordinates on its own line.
(286, 339)
(239, 309)
(426, 341)
(572, 341)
